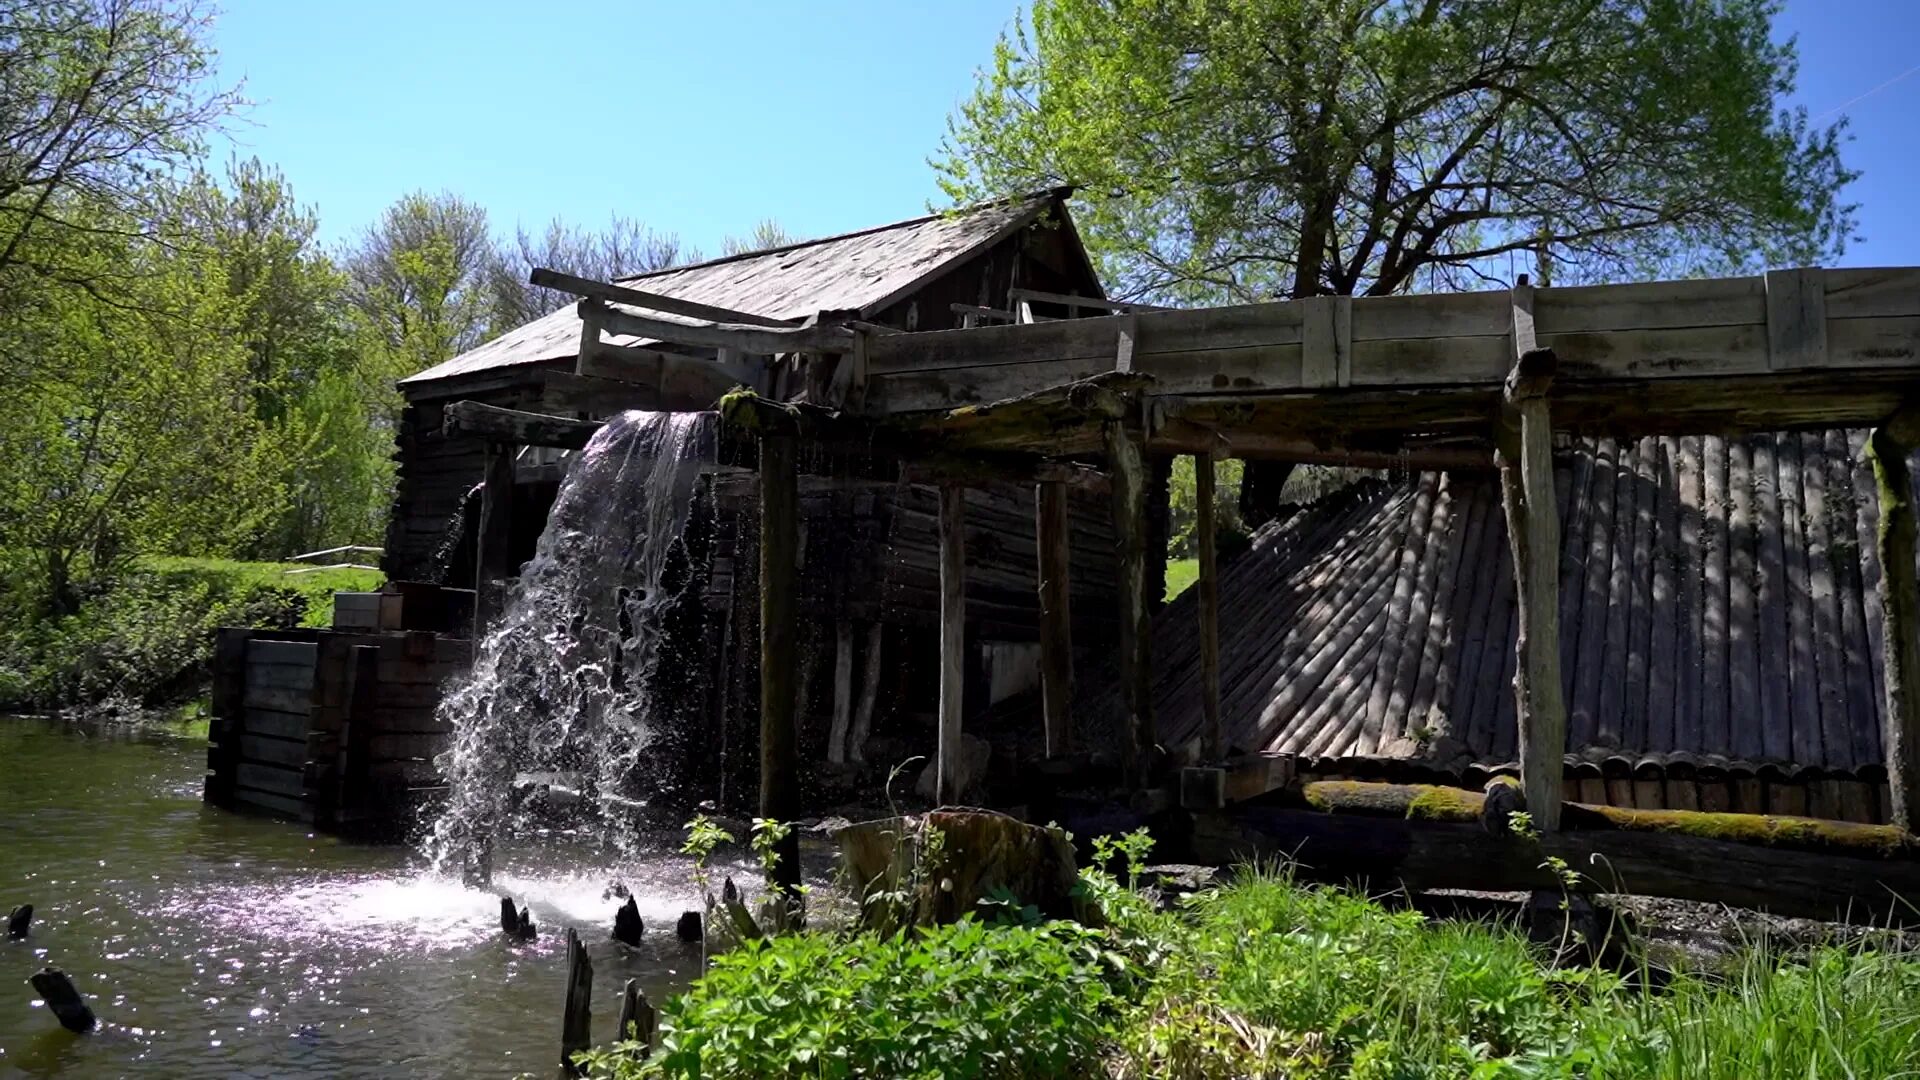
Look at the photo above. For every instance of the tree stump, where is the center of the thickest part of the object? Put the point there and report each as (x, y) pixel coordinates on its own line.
(57, 990)
(689, 929)
(627, 926)
(942, 865)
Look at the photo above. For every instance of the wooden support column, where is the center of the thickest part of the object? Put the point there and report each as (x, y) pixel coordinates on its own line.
(953, 638)
(1130, 528)
(1889, 447)
(1056, 617)
(1525, 456)
(779, 659)
(493, 554)
(1214, 737)
(869, 693)
(842, 691)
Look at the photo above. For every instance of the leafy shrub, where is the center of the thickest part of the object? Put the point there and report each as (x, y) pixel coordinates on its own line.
(962, 1000)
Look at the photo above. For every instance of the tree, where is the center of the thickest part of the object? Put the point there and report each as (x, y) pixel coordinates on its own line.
(1248, 149)
(418, 278)
(767, 233)
(98, 98)
(624, 248)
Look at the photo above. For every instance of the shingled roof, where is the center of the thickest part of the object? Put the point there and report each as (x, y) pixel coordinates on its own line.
(1718, 611)
(865, 271)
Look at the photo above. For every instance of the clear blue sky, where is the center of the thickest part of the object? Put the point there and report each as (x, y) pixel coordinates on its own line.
(702, 116)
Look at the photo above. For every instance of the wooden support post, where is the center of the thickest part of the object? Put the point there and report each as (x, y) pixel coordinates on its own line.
(779, 659)
(1214, 744)
(493, 555)
(842, 691)
(576, 1025)
(1525, 456)
(638, 1020)
(869, 693)
(1052, 538)
(354, 797)
(63, 1000)
(953, 638)
(1889, 447)
(1129, 524)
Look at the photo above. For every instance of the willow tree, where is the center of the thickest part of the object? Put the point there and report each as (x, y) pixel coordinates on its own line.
(1253, 149)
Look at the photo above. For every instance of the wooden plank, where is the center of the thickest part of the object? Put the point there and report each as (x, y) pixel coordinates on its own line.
(1714, 667)
(779, 656)
(277, 699)
(1836, 741)
(268, 750)
(1802, 669)
(1771, 606)
(288, 806)
(1610, 712)
(1900, 615)
(1873, 292)
(1129, 523)
(869, 692)
(1743, 656)
(493, 553)
(745, 337)
(1690, 352)
(624, 294)
(1843, 552)
(953, 640)
(1651, 306)
(1663, 600)
(1430, 361)
(842, 691)
(275, 723)
(1322, 345)
(296, 654)
(516, 426)
(1796, 319)
(271, 779)
(279, 676)
(1584, 710)
(1873, 343)
(1056, 620)
(1214, 742)
(1432, 315)
(1533, 527)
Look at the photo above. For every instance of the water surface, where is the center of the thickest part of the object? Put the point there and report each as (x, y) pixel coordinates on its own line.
(214, 944)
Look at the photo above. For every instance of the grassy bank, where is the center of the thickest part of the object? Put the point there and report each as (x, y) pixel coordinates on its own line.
(1268, 978)
(1180, 574)
(144, 637)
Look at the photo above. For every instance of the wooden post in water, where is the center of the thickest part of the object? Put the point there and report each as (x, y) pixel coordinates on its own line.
(1052, 538)
(779, 659)
(638, 1020)
(1889, 447)
(1215, 739)
(953, 638)
(493, 551)
(576, 1024)
(1525, 456)
(1129, 526)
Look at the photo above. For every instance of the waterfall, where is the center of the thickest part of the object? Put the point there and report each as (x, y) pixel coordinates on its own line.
(558, 684)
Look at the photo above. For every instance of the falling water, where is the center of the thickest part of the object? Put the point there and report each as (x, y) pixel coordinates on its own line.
(558, 686)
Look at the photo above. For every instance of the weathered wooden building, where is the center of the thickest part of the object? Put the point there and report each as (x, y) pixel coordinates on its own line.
(870, 571)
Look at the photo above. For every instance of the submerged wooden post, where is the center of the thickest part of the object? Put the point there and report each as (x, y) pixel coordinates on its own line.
(638, 1020)
(1129, 526)
(1525, 455)
(576, 1024)
(1052, 538)
(953, 638)
(779, 659)
(493, 550)
(1888, 448)
(1214, 741)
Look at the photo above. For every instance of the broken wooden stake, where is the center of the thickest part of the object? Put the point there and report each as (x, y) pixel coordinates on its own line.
(638, 1020)
(627, 926)
(576, 1024)
(57, 990)
(516, 923)
(18, 920)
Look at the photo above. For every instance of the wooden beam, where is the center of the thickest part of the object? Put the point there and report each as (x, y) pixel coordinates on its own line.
(1533, 530)
(1065, 300)
(493, 555)
(842, 691)
(1899, 613)
(1423, 837)
(1129, 473)
(742, 336)
(953, 638)
(779, 658)
(1214, 739)
(606, 292)
(869, 692)
(1053, 539)
(499, 425)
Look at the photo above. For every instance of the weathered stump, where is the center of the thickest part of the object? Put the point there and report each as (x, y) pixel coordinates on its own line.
(638, 1020)
(57, 990)
(18, 920)
(688, 929)
(576, 1024)
(516, 923)
(976, 854)
(627, 926)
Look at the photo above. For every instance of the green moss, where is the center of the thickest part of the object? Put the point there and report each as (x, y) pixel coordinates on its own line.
(1445, 804)
(1768, 830)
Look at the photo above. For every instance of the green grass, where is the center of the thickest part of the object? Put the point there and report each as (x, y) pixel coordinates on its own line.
(145, 635)
(1266, 977)
(1180, 574)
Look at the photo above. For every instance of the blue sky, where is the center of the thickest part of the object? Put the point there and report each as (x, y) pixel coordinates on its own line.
(703, 117)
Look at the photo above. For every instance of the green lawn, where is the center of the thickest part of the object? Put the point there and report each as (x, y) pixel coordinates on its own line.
(1180, 574)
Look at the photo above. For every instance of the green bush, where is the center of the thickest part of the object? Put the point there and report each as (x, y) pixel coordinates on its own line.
(145, 636)
(966, 1000)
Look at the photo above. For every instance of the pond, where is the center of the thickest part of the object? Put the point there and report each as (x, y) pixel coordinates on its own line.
(215, 944)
